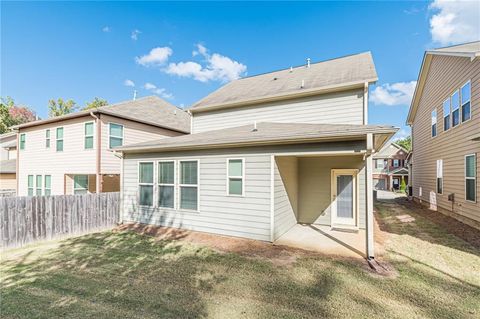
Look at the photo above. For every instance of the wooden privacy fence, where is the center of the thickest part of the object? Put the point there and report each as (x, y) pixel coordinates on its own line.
(27, 219)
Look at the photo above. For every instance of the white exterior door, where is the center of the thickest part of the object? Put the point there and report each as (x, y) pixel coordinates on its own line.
(344, 197)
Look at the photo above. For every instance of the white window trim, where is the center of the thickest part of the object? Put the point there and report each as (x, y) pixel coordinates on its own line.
(157, 204)
(377, 161)
(146, 184)
(437, 177)
(59, 139)
(123, 133)
(235, 177)
(449, 114)
(85, 135)
(49, 138)
(434, 123)
(33, 185)
(180, 185)
(462, 104)
(24, 142)
(474, 177)
(45, 185)
(88, 183)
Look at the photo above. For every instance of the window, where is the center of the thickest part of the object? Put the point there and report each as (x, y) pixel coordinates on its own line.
(59, 139)
(235, 177)
(446, 114)
(88, 136)
(466, 92)
(455, 108)
(396, 163)
(39, 185)
(80, 184)
(116, 135)
(470, 177)
(22, 141)
(440, 176)
(380, 164)
(30, 185)
(47, 138)
(189, 185)
(166, 184)
(434, 123)
(48, 185)
(145, 184)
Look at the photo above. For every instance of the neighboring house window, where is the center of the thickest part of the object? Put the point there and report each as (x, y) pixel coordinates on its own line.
(80, 184)
(166, 184)
(88, 136)
(47, 138)
(466, 93)
(470, 177)
(235, 176)
(380, 164)
(39, 185)
(22, 141)
(59, 139)
(30, 185)
(455, 108)
(440, 176)
(116, 135)
(145, 184)
(396, 163)
(434, 123)
(189, 185)
(48, 185)
(446, 114)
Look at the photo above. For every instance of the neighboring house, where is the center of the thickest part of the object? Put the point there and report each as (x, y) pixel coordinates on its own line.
(445, 120)
(8, 155)
(267, 152)
(390, 167)
(64, 154)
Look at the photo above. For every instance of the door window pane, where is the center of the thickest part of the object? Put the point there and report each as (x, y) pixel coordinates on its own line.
(345, 196)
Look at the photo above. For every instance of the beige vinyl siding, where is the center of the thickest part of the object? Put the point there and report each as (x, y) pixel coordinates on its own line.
(133, 132)
(342, 108)
(36, 159)
(446, 74)
(8, 181)
(285, 194)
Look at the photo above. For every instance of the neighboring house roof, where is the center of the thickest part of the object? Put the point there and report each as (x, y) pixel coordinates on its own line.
(385, 153)
(150, 110)
(331, 75)
(265, 134)
(8, 166)
(468, 50)
(6, 135)
(399, 171)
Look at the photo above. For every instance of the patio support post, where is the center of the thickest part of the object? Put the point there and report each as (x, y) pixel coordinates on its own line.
(369, 197)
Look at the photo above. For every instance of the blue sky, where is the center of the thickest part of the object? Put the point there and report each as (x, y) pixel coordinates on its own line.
(100, 49)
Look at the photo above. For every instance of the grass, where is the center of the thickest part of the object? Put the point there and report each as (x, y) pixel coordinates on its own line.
(127, 275)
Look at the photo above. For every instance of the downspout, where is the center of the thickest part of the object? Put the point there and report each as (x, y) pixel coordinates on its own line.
(98, 179)
(120, 211)
(369, 200)
(17, 162)
(365, 104)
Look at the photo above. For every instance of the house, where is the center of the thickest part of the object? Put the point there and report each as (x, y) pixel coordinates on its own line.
(70, 154)
(390, 167)
(8, 162)
(268, 153)
(445, 120)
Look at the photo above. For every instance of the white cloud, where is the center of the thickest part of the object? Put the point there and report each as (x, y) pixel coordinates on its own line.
(400, 93)
(217, 67)
(158, 91)
(135, 34)
(106, 29)
(128, 82)
(455, 21)
(157, 56)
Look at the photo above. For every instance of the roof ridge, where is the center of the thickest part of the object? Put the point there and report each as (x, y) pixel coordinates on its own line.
(455, 45)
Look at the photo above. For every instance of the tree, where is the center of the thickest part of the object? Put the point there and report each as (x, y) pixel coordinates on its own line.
(406, 143)
(11, 114)
(95, 104)
(61, 107)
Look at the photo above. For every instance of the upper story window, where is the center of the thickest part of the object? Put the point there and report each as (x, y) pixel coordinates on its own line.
(47, 138)
(115, 135)
(380, 163)
(22, 141)
(434, 123)
(88, 143)
(470, 177)
(396, 163)
(455, 108)
(59, 140)
(235, 176)
(466, 93)
(189, 185)
(446, 114)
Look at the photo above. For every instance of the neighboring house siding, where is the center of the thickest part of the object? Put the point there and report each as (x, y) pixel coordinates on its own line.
(6, 153)
(341, 108)
(133, 132)
(285, 194)
(8, 181)
(445, 75)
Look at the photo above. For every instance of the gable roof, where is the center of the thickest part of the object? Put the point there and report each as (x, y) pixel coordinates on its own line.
(331, 75)
(467, 50)
(266, 133)
(150, 110)
(385, 153)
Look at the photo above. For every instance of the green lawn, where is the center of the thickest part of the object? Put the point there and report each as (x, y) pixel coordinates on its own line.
(124, 274)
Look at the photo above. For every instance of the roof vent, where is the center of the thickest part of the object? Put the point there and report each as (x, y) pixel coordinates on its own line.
(303, 84)
(134, 95)
(291, 69)
(308, 63)
(254, 126)
(275, 79)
